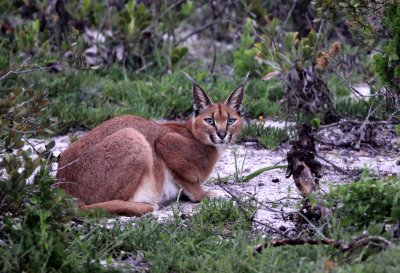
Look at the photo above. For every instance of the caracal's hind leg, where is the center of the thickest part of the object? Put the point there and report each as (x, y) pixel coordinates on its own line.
(126, 208)
(109, 173)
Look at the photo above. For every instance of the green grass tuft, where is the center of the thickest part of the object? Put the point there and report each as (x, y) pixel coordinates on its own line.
(87, 98)
(269, 137)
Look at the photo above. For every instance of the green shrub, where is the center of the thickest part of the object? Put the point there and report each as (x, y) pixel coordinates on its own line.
(388, 63)
(35, 230)
(386, 261)
(269, 137)
(40, 238)
(263, 98)
(367, 202)
(245, 53)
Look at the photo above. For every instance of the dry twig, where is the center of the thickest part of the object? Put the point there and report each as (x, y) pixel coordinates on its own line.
(343, 247)
(249, 218)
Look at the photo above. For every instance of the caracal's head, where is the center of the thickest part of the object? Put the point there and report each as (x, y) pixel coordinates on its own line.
(217, 124)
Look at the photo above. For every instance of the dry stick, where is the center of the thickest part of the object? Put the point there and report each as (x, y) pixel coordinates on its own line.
(69, 164)
(177, 3)
(201, 28)
(327, 241)
(289, 13)
(56, 184)
(15, 71)
(18, 71)
(215, 15)
(347, 82)
(197, 30)
(361, 131)
(354, 122)
(334, 165)
(144, 67)
(238, 201)
(260, 203)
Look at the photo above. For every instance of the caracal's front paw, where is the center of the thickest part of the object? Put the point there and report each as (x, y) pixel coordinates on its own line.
(215, 194)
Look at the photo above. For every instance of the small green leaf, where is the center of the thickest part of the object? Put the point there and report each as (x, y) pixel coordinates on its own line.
(47, 130)
(398, 130)
(315, 122)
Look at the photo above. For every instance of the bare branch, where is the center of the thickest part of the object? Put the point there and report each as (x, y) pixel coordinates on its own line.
(360, 242)
(69, 164)
(194, 32)
(16, 71)
(250, 218)
(290, 13)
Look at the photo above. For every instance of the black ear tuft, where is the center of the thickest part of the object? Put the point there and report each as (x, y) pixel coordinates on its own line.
(200, 99)
(235, 99)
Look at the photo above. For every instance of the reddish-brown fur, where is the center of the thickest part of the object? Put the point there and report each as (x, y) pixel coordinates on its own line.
(129, 164)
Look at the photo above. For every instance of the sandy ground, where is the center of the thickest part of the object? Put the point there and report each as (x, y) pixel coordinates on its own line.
(275, 194)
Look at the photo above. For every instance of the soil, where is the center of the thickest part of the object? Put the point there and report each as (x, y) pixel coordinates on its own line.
(275, 194)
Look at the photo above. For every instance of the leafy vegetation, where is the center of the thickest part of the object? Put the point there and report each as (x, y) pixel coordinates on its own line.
(36, 234)
(269, 137)
(217, 237)
(40, 237)
(388, 63)
(367, 202)
(86, 99)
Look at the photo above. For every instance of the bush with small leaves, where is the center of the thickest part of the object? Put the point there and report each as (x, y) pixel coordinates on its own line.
(367, 202)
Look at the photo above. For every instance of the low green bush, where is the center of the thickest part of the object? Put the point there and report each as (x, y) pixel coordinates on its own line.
(366, 202)
(40, 237)
(269, 137)
(387, 63)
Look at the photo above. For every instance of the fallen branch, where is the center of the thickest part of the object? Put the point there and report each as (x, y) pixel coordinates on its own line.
(343, 121)
(360, 242)
(194, 32)
(249, 218)
(334, 165)
(17, 70)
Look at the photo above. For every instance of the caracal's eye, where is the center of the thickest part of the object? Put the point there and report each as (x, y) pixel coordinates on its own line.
(231, 121)
(209, 121)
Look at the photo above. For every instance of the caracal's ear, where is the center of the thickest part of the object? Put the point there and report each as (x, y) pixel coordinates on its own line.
(200, 99)
(235, 99)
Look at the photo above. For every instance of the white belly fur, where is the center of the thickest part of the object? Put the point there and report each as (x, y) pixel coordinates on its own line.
(170, 189)
(146, 192)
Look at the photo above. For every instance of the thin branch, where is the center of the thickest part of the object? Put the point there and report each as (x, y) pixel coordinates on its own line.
(360, 242)
(354, 122)
(144, 67)
(334, 165)
(15, 71)
(289, 13)
(69, 164)
(194, 32)
(20, 132)
(249, 218)
(18, 71)
(177, 3)
(33, 146)
(58, 183)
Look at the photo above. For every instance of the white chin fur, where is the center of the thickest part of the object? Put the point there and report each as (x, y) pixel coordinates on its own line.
(221, 148)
